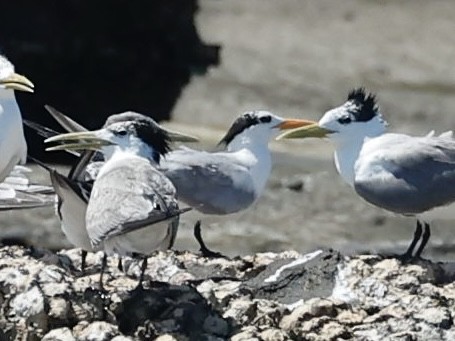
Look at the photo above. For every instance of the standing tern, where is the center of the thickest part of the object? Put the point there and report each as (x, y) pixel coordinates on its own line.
(229, 180)
(72, 194)
(407, 175)
(16, 191)
(73, 191)
(13, 148)
(133, 208)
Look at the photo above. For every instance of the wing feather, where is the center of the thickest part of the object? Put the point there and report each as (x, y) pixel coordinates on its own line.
(407, 175)
(213, 183)
(129, 196)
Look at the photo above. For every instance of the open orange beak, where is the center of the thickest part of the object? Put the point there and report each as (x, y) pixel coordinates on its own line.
(293, 123)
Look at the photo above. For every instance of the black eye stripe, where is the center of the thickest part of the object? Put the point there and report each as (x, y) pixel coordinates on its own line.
(240, 124)
(266, 119)
(120, 132)
(344, 120)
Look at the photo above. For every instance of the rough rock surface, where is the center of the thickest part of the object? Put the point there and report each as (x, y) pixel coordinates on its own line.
(318, 296)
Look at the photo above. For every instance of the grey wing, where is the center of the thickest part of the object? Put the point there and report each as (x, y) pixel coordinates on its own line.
(18, 192)
(418, 174)
(11, 199)
(129, 197)
(209, 182)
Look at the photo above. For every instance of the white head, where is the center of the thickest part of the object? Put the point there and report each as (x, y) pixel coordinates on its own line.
(257, 127)
(10, 81)
(128, 132)
(357, 118)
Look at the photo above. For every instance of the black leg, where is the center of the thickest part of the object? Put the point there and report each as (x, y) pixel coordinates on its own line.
(205, 251)
(83, 262)
(103, 266)
(426, 236)
(120, 264)
(143, 268)
(417, 234)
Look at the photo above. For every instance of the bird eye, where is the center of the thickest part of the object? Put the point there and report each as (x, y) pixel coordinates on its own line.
(344, 120)
(120, 133)
(265, 119)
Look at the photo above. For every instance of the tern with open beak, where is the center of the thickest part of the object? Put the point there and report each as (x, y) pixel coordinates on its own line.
(407, 175)
(133, 208)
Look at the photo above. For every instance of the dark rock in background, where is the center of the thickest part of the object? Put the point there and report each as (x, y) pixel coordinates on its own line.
(92, 59)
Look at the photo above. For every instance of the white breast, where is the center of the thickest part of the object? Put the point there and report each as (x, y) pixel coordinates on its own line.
(13, 148)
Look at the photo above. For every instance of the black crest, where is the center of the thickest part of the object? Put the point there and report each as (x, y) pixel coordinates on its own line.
(366, 106)
(126, 117)
(146, 129)
(240, 124)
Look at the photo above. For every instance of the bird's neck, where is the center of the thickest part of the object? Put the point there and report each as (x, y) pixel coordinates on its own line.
(9, 110)
(349, 146)
(13, 148)
(119, 157)
(136, 149)
(255, 155)
(252, 140)
(346, 155)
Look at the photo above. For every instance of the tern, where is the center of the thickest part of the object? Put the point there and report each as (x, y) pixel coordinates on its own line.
(232, 179)
(16, 191)
(71, 196)
(13, 147)
(407, 175)
(72, 191)
(132, 208)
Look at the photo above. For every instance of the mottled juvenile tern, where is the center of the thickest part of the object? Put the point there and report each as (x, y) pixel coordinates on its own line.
(133, 208)
(407, 175)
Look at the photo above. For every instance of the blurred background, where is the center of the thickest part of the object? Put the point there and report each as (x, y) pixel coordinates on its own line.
(201, 63)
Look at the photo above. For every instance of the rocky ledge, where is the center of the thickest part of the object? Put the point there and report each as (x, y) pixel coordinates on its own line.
(317, 296)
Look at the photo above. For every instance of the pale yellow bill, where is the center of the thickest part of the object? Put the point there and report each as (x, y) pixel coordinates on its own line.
(311, 130)
(18, 82)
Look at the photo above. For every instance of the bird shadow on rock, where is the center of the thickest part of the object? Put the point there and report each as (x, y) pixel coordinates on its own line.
(167, 308)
